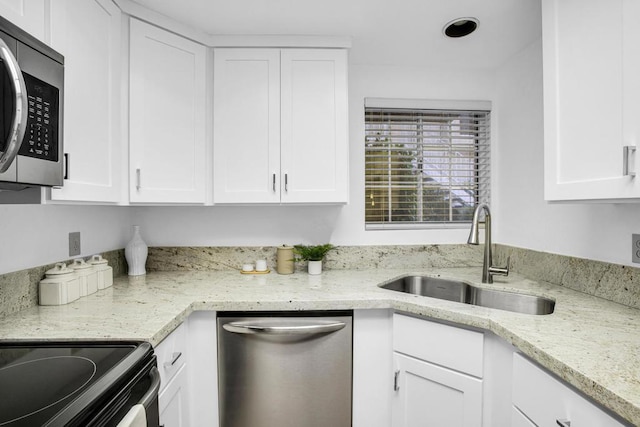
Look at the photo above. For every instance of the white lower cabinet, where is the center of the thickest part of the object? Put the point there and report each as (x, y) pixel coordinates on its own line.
(407, 372)
(173, 400)
(539, 399)
(438, 374)
(430, 395)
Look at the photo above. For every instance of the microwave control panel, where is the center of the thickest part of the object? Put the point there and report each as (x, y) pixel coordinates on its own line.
(41, 136)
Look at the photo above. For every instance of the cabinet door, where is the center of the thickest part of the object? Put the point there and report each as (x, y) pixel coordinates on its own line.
(544, 399)
(519, 420)
(173, 401)
(87, 33)
(590, 89)
(430, 395)
(167, 161)
(246, 126)
(27, 14)
(314, 139)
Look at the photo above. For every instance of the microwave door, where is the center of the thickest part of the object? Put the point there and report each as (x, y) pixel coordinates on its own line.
(14, 111)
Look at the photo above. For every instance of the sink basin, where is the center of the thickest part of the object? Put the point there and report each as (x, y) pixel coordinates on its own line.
(454, 290)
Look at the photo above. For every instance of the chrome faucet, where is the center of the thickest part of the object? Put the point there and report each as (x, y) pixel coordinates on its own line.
(488, 270)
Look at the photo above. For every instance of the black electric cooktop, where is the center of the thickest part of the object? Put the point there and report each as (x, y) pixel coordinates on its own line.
(38, 381)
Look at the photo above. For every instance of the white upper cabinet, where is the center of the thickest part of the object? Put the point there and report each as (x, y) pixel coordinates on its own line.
(87, 33)
(280, 126)
(246, 125)
(167, 145)
(314, 134)
(591, 98)
(30, 15)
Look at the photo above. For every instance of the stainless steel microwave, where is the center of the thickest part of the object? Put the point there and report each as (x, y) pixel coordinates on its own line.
(31, 93)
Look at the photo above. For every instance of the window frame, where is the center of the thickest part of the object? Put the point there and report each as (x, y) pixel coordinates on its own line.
(484, 188)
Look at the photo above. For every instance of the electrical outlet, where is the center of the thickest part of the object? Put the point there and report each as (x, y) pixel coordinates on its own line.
(635, 248)
(74, 243)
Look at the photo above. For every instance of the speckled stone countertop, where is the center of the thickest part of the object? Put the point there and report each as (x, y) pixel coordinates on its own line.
(589, 342)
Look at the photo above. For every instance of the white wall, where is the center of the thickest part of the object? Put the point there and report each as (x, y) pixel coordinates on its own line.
(33, 235)
(595, 231)
(341, 225)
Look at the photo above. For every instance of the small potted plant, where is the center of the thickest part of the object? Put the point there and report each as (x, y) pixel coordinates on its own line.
(313, 255)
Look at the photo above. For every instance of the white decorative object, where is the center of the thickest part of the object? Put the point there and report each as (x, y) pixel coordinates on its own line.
(61, 286)
(87, 277)
(103, 270)
(315, 267)
(136, 253)
(261, 265)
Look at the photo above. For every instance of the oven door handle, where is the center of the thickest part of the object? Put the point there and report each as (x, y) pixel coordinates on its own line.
(19, 120)
(152, 392)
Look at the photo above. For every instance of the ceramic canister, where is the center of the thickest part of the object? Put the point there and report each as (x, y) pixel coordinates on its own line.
(87, 276)
(103, 270)
(60, 286)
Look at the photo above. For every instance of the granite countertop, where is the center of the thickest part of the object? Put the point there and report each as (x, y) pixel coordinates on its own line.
(589, 342)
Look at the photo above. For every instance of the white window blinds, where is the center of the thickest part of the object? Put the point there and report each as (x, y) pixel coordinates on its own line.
(425, 166)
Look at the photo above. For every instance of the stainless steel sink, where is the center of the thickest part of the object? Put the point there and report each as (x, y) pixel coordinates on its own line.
(453, 290)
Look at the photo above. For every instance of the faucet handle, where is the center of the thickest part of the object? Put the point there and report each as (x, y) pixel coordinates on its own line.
(502, 271)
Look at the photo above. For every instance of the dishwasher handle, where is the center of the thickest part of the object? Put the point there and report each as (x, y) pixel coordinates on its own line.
(281, 328)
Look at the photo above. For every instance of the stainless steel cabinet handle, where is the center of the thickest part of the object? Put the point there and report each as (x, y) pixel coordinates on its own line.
(286, 182)
(626, 156)
(67, 156)
(396, 380)
(152, 392)
(563, 423)
(19, 121)
(292, 328)
(274, 182)
(138, 184)
(174, 359)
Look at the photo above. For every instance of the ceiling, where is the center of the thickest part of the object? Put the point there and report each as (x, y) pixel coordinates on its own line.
(383, 32)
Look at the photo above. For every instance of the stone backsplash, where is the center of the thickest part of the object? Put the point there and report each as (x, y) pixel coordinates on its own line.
(614, 282)
(341, 258)
(19, 290)
(618, 283)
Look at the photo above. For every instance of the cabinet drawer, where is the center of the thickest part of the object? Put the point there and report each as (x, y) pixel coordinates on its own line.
(544, 399)
(455, 348)
(171, 354)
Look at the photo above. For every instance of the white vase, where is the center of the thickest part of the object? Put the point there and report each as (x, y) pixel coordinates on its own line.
(136, 253)
(315, 267)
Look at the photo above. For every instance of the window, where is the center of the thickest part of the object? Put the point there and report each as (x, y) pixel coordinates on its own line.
(425, 166)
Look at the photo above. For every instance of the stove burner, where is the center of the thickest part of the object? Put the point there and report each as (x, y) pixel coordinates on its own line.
(43, 382)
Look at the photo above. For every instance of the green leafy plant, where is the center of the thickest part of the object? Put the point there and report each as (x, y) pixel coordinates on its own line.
(311, 253)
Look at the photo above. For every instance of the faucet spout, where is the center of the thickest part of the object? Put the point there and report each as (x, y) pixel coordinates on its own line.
(488, 270)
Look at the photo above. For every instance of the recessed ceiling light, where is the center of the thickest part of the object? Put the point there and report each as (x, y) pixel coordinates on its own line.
(460, 27)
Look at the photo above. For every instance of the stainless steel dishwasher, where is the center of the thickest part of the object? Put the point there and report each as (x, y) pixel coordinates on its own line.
(285, 369)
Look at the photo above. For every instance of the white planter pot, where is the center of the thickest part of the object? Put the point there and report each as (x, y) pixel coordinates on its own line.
(315, 267)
